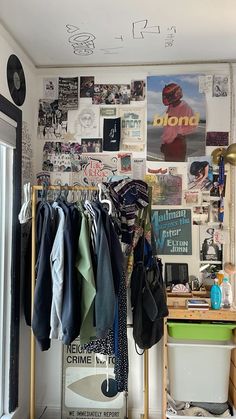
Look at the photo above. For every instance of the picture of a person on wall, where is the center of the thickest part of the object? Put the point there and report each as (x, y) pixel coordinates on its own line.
(178, 124)
(203, 175)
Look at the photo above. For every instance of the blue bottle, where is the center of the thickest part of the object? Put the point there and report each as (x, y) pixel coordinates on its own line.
(216, 295)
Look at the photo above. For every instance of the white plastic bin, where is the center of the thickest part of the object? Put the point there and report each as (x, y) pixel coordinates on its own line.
(199, 370)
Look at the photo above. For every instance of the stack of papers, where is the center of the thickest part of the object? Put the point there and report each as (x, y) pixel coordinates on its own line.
(197, 304)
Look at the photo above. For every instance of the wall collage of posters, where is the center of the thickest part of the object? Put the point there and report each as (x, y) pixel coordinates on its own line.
(153, 129)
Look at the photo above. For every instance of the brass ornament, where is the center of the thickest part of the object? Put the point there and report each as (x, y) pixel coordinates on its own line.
(230, 155)
(217, 153)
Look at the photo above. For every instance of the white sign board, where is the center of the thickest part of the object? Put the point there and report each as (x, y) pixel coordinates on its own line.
(88, 386)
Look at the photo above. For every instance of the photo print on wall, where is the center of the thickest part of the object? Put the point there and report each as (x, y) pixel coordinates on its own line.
(86, 86)
(111, 94)
(61, 157)
(220, 86)
(125, 163)
(50, 88)
(91, 145)
(111, 134)
(132, 125)
(138, 88)
(200, 173)
(52, 121)
(166, 189)
(210, 246)
(200, 214)
(68, 92)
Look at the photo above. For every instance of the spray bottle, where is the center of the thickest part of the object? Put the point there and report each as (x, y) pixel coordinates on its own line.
(215, 295)
(226, 290)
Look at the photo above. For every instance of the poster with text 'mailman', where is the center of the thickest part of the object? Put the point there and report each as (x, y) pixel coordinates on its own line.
(172, 231)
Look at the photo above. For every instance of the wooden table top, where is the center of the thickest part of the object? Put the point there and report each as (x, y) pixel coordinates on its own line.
(213, 315)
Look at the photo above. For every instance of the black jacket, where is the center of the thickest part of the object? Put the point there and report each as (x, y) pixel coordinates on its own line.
(46, 228)
(71, 318)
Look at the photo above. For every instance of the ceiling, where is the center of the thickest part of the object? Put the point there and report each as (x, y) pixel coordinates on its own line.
(57, 33)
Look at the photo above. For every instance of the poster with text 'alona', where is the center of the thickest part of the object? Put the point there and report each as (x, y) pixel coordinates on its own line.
(89, 389)
(172, 231)
(176, 117)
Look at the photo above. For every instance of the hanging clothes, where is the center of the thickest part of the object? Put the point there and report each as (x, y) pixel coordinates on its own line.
(57, 271)
(105, 299)
(117, 263)
(128, 195)
(121, 369)
(148, 296)
(46, 230)
(26, 269)
(116, 342)
(71, 316)
(87, 282)
(80, 283)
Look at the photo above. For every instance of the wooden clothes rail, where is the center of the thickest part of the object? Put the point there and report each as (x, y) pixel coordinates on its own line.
(34, 190)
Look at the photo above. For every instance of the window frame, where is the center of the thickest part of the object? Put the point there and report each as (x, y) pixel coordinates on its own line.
(13, 112)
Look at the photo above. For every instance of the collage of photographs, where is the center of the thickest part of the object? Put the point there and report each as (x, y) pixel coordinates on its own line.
(153, 129)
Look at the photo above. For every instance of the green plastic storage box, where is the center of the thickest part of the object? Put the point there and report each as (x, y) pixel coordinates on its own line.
(201, 331)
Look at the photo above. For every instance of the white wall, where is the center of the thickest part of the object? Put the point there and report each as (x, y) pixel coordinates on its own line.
(8, 47)
(49, 364)
(218, 111)
(48, 369)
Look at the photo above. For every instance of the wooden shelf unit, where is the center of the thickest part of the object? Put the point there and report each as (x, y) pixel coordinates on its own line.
(181, 313)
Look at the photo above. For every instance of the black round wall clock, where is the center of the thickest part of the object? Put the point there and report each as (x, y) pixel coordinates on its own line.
(16, 80)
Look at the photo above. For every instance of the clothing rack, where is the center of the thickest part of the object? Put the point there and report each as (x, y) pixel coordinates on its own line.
(146, 385)
(34, 190)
